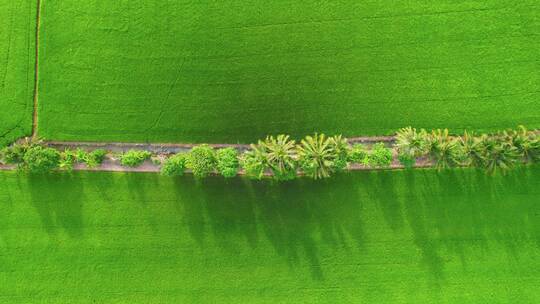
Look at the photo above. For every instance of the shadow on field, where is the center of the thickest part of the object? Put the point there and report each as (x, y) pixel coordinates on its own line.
(296, 217)
(58, 202)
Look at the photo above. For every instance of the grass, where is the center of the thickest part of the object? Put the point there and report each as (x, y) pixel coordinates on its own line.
(371, 237)
(206, 71)
(17, 54)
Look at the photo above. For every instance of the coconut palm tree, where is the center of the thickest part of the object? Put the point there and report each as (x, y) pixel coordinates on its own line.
(412, 143)
(316, 156)
(280, 156)
(526, 143)
(472, 149)
(499, 154)
(444, 150)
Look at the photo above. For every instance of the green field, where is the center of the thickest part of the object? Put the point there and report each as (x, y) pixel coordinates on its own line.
(235, 71)
(17, 59)
(385, 237)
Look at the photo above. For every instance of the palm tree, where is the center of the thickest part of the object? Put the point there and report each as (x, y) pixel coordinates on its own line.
(472, 150)
(280, 156)
(526, 143)
(443, 149)
(412, 143)
(254, 162)
(316, 156)
(340, 147)
(499, 154)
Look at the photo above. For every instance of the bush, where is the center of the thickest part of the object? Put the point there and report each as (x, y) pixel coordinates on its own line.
(380, 156)
(133, 158)
(254, 163)
(340, 148)
(67, 159)
(96, 157)
(13, 154)
(174, 165)
(38, 159)
(201, 160)
(357, 154)
(227, 162)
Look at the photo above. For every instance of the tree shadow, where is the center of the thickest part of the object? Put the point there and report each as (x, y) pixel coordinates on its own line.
(58, 199)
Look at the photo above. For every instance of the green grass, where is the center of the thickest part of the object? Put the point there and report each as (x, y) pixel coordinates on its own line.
(17, 55)
(207, 71)
(370, 237)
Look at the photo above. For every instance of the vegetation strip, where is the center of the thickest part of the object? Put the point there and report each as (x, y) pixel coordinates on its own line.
(282, 158)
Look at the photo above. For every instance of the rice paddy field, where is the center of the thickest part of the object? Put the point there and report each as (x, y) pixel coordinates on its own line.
(370, 237)
(17, 58)
(235, 71)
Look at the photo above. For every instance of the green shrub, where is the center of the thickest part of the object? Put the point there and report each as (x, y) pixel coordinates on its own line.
(174, 165)
(380, 156)
(95, 158)
(357, 154)
(227, 162)
(340, 148)
(38, 159)
(67, 159)
(201, 160)
(13, 154)
(254, 163)
(133, 158)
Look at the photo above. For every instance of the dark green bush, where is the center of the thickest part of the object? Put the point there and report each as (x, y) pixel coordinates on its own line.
(407, 160)
(201, 161)
(340, 149)
(134, 158)
(227, 162)
(380, 156)
(174, 165)
(38, 159)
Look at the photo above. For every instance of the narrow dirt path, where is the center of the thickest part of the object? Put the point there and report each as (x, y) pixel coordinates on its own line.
(36, 72)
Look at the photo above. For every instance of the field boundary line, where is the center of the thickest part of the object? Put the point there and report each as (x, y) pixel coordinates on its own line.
(36, 72)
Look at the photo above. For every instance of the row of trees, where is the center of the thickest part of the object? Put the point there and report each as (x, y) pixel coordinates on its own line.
(280, 157)
(316, 156)
(497, 152)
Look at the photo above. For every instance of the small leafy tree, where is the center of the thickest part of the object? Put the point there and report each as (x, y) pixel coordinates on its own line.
(340, 148)
(133, 158)
(280, 156)
(13, 154)
(201, 161)
(316, 156)
(174, 165)
(444, 150)
(227, 162)
(95, 158)
(39, 159)
(380, 156)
